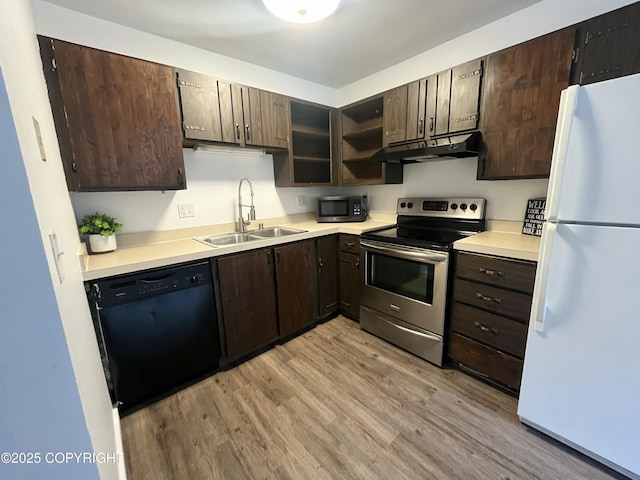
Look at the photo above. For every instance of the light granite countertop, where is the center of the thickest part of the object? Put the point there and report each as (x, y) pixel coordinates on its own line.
(503, 239)
(141, 251)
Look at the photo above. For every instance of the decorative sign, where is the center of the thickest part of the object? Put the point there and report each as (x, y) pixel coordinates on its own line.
(534, 218)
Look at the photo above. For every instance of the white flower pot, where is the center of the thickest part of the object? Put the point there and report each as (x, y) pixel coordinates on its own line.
(102, 244)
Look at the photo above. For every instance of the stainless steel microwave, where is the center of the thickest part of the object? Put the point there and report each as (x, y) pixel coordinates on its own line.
(341, 208)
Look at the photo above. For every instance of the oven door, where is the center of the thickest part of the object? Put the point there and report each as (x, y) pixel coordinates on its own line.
(405, 282)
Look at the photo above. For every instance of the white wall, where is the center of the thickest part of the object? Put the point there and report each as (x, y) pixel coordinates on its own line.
(57, 22)
(506, 199)
(212, 183)
(212, 188)
(41, 410)
(42, 406)
(539, 19)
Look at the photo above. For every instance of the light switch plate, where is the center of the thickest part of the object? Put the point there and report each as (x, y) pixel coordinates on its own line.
(186, 210)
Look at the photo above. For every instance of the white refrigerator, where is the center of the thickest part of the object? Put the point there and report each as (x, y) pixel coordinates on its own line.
(581, 378)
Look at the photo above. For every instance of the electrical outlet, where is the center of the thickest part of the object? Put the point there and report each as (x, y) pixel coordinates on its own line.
(302, 201)
(185, 210)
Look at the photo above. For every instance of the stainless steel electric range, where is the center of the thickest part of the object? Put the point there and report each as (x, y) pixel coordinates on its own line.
(407, 270)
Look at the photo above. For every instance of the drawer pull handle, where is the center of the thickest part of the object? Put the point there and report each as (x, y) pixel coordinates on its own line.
(488, 299)
(349, 244)
(484, 328)
(489, 273)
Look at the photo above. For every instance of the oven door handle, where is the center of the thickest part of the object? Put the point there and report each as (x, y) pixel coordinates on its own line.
(434, 338)
(403, 252)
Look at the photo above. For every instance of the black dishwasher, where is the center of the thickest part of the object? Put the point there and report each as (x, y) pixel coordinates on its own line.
(157, 331)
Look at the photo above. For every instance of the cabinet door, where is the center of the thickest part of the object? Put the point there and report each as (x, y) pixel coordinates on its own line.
(431, 106)
(297, 280)
(237, 102)
(395, 115)
(116, 117)
(607, 46)
(327, 275)
(230, 125)
(248, 296)
(520, 101)
(276, 122)
(350, 281)
(443, 102)
(465, 96)
(252, 114)
(200, 106)
(416, 109)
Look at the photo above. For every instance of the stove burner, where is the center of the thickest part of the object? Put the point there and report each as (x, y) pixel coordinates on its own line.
(432, 223)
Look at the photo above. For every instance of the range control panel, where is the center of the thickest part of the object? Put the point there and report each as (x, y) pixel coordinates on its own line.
(471, 208)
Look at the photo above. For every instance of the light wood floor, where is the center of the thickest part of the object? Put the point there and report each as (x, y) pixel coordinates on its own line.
(338, 403)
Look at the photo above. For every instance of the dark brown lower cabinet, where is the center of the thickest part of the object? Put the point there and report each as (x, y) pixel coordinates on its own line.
(327, 275)
(350, 275)
(297, 285)
(489, 316)
(248, 301)
(488, 362)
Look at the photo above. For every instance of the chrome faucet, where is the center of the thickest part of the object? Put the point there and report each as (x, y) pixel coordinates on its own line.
(242, 224)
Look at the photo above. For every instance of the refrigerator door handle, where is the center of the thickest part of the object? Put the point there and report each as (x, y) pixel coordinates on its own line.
(538, 304)
(568, 102)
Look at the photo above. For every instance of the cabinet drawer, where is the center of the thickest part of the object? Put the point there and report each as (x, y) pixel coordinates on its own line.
(512, 274)
(486, 361)
(502, 333)
(349, 243)
(496, 300)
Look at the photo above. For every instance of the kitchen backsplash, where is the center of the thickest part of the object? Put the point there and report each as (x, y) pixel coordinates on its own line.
(212, 190)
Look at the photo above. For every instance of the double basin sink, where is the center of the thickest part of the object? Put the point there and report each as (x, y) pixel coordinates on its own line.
(226, 239)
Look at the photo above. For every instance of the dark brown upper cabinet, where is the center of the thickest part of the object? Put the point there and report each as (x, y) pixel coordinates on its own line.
(607, 46)
(312, 153)
(404, 112)
(116, 119)
(520, 101)
(276, 120)
(265, 117)
(362, 136)
(453, 99)
(206, 107)
(252, 115)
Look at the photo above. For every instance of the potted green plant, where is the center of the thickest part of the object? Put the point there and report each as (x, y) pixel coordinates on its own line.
(101, 230)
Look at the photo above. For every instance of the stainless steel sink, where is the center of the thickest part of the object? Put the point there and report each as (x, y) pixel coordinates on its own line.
(275, 232)
(225, 239)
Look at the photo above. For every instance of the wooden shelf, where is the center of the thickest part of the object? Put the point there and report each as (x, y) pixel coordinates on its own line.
(309, 130)
(366, 132)
(309, 161)
(303, 158)
(365, 110)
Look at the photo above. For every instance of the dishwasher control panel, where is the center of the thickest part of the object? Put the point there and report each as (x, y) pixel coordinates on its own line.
(127, 288)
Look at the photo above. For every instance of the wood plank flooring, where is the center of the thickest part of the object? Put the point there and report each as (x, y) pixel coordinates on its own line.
(338, 403)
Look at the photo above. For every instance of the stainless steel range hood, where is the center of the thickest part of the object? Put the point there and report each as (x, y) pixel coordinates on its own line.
(454, 146)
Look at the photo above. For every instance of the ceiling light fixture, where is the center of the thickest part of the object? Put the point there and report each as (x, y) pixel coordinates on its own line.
(301, 11)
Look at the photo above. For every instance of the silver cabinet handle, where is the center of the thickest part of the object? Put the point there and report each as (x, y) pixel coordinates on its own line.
(484, 328)
(489, 273)
(488, 299)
